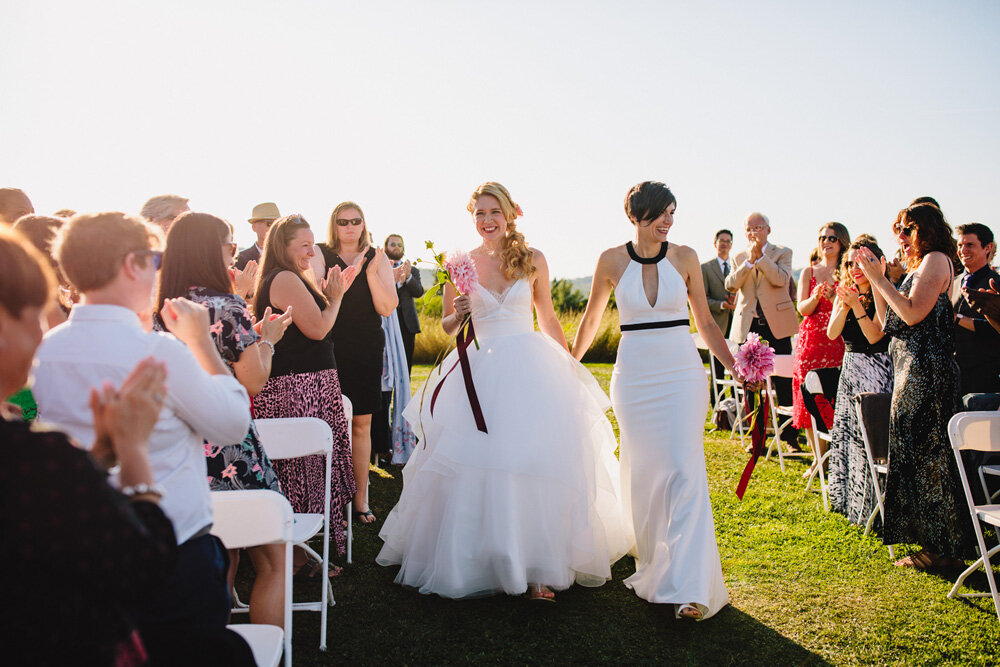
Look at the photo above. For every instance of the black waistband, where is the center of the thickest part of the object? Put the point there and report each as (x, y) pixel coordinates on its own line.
(655, 325)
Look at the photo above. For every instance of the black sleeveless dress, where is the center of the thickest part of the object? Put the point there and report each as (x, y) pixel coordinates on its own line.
(358, 338)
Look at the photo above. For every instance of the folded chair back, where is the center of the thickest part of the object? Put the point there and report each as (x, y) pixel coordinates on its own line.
(874, 412)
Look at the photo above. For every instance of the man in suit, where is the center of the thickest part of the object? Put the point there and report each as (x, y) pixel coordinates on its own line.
(977, 344)
(408, 288)
(761, 276)
(261, 219)
(720, 302)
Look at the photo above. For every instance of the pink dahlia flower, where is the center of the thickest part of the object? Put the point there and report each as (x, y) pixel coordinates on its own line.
(754, 359)
(462, 271)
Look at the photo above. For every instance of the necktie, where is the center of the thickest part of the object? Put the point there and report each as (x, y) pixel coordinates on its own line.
(725, 269)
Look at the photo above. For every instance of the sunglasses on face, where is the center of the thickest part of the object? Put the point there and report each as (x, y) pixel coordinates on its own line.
(829, 238)
(906, 231)
(343, 222)
(155, 255)
(395, 245)
(266, 221)
(231, 247)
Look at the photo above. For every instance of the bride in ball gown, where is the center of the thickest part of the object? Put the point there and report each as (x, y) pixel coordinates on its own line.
(533, 504)
(660, 397)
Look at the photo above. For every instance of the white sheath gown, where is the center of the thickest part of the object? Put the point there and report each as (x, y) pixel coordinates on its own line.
(533, 501)
(660, 397)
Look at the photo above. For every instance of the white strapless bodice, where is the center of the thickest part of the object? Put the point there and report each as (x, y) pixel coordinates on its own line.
(504, 314)
(671, 295)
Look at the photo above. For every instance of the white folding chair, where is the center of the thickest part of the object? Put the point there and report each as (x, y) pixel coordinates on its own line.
(292, 438)
(249, 519)
(728, 381)
(349, 414)
(993, 470)
(783, 365)
(815, 387)
(872, 410)
(979, 431)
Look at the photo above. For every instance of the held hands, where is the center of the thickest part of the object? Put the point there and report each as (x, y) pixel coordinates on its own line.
(186, 319)
(338, 281)
(124, 419)
(246, 278)
(272, 327)
(463, 306)
(756, 246)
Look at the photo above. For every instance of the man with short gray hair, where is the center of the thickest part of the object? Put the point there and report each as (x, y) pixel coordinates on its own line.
(764, 305)
(162, 210)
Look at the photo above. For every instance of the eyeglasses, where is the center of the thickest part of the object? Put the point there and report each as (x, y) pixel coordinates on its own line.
(829, 238)
(232, 248)
(393, 244)
(343, 222)
(848, 264)
(155, 255)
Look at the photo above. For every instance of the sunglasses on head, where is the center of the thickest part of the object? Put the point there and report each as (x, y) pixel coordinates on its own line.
(155, 255)
(829, 237)
(343, 222)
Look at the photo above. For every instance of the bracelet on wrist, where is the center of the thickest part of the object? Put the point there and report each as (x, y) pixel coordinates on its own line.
(142, 489)
(264, 341)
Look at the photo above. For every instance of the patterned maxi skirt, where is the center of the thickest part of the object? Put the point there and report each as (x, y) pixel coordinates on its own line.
(852, 491)
(314, 394)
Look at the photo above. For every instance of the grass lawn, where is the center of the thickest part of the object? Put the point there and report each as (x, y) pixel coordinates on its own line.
(806, 587)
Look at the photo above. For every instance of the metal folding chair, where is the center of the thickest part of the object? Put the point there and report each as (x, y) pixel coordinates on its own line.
(873, 420)
(783, 365)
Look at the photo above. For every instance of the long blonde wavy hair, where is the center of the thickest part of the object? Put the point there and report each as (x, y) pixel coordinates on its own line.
(515, 255)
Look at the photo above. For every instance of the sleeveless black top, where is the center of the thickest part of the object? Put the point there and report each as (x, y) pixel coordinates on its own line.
(357, 319)
(854, 337)
(296, 352)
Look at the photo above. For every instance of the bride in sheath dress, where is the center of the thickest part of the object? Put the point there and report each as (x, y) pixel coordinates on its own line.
(660, 397)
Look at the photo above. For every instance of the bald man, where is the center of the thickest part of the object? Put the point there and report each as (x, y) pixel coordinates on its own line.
(13, 204)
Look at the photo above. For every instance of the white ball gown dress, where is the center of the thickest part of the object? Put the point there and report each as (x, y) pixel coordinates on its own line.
(660, 396)
(533, 501)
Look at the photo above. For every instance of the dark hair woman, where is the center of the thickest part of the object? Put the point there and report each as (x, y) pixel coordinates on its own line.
(304, 380)
(110, 550)
(357, 334)
(924, 503)
(867, 367)
(814, 350)
(200, 251)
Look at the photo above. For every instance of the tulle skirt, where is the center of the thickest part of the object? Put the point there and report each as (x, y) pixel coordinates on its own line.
(533, 501)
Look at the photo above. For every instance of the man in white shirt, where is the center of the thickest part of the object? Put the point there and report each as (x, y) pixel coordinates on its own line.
(111, 259)
(714, 273)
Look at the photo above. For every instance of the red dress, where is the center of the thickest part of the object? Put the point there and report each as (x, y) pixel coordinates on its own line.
(813, 350)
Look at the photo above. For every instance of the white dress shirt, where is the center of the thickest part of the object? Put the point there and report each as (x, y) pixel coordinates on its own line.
(101, 343)
(722, 264)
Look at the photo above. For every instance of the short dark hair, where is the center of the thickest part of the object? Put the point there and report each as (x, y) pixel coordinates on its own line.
(647, 201)
(385, 244)
(982, 232)
(926, 200)
(721, 232)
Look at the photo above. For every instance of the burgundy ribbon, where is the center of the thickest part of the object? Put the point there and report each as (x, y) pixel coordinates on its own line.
(758, 435)
(464, 338)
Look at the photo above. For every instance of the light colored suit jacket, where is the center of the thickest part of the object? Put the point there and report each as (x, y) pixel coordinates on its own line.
(766, 282)
(715, 291)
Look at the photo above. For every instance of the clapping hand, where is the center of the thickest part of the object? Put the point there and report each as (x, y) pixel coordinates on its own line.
(185, 319)
(985, 302)
(125, 418)
(895, 270)
(873, 267)
(848, 296)
(272, 327)
(825, 290)
(730, 302)
(756, 245)
(246, 278)
(338, 281)
(402, 272)
(376, 262)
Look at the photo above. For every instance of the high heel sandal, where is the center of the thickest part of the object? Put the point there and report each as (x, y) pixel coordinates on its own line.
(539, 593)
(689, 612)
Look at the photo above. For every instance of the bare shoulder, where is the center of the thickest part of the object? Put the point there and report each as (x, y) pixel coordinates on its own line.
(614, 258)
(285, 280)
(537, 257)
(683, 255)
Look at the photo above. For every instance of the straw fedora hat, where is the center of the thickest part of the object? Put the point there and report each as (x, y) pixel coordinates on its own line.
(265, 211)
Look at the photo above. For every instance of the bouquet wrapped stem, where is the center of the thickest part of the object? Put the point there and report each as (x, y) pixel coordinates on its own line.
(754, 363)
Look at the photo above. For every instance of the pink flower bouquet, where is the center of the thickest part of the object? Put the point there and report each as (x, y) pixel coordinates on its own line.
(753, 364)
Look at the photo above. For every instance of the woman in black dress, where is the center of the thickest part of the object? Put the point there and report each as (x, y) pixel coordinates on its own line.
(924, 502)
(357, 333)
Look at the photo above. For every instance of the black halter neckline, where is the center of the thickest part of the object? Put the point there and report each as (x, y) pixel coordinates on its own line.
(647, 260)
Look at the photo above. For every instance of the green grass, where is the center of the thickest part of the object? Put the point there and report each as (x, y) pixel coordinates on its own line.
(806, 588)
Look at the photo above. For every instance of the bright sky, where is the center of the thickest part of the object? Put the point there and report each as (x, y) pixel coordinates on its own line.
(808, 112)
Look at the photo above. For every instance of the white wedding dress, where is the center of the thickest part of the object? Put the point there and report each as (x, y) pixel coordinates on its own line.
(533, 501)
(660, 397)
